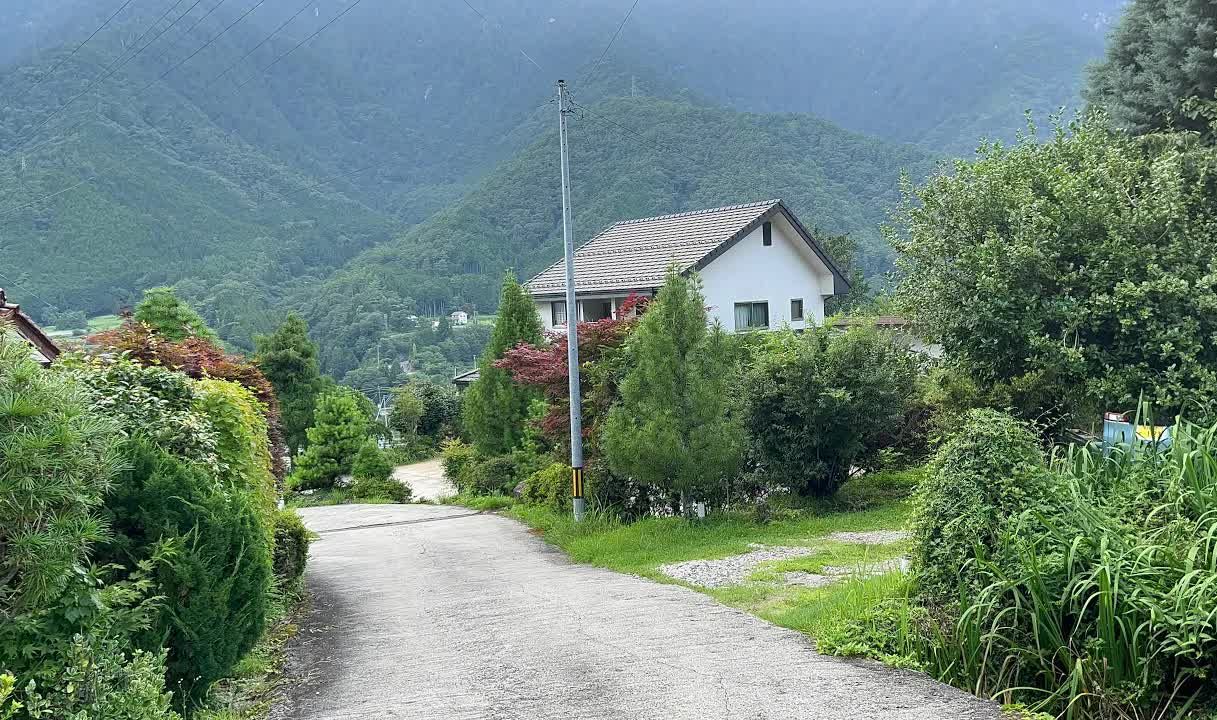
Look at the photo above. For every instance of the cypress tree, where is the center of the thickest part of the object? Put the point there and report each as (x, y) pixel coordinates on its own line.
(1160, 68)
(674, 427)
(495, 407)
(340, 430)
(163, 311)
(288, 358)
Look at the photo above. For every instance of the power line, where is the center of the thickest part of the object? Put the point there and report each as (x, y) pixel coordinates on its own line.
(12, 283)
(202, 47)
(612, 40)
(74, 51)
(298, 45)
(499, 26)
(263, 41)
(111, 70)
(14, 210)
(164, 57)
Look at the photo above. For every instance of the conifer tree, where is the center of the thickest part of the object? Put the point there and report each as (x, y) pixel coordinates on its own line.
(288, 358)
(1161, 67)
(339, 431)
(163, 311)
(675, 427)
(495, 407)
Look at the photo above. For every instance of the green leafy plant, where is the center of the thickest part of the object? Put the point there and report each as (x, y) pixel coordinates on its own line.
(340, 429)
(292, 539)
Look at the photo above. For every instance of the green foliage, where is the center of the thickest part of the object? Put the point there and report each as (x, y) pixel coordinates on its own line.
(495, 407)
(64, 634)
(874, 489)
(441, 408)
(380, 490)
(288, 358)
(147, 401)
(341, 426)
(675, 426)
(1100, 603)
(980, 480)
(549, 487)
(1162, 55)
(371, 464)
(57, 460)
(241, 441)
(166, 313)
(1071, 277)
(821, 403)
(407, 411)
(292, 539)
(217, 571)
(456, 456)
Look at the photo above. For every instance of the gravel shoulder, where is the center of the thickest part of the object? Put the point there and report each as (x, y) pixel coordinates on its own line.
(426, 479)
(435, 613)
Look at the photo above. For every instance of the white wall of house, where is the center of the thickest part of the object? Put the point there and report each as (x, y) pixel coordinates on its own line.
(784, 271)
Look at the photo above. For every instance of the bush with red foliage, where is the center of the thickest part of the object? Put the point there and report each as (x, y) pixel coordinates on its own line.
(545, 368)
(198, 357)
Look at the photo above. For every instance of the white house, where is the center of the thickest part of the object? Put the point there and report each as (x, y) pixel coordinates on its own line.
(460, 317)
(759, 266)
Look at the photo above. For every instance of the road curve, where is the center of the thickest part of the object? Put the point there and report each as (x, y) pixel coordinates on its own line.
(430, 612)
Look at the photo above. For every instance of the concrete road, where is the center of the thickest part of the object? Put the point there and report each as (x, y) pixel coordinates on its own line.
(429, 612)
(426, 479)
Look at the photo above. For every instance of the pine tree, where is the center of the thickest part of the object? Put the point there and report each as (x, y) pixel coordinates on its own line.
(288, 358)
(163, 311)
(496, 408)
(675, 427)
(1161, 60)
(339, 431)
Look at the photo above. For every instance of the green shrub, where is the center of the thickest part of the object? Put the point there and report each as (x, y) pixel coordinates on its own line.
(292, 539)
(1103, 605)
(216, 569)
(879, 488)
(371, 464)
(979, 481)
(242, 447)
(549, 487)
(340, 428)
(441, 408)
(491, 476)
(410, 450)
(381, 489)
(64, 631)
(456, 456)
(822, 403)
(408, 409)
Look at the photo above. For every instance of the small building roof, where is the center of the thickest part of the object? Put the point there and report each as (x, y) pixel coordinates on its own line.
(466, 378)
(636, 254)
(42, 348)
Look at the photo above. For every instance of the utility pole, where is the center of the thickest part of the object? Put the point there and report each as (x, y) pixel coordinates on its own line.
(572, 319)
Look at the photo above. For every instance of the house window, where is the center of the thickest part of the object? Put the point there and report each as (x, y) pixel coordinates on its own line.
(594, 310)
(767, 234)
(751, 315)
(796, 309)
(557, 313)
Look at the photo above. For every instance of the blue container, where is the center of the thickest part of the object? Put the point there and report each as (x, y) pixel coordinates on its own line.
(1118, 431)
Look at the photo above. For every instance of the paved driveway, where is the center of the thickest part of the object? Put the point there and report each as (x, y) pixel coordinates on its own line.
(426, 479)
(429, 612)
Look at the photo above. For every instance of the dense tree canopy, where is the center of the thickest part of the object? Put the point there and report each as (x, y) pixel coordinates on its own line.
(1073, 276)
(166, 313)
(1162, 55)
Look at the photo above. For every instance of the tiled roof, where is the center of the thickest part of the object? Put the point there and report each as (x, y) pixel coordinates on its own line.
(636, 254)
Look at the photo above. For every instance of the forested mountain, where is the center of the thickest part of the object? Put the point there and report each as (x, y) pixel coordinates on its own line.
(686, 156)
(246, 150)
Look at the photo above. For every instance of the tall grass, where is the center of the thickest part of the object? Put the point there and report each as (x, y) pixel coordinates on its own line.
(1102, 601)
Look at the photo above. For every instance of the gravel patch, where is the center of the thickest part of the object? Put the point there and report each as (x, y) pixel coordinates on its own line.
(732, 570)
(873, 537)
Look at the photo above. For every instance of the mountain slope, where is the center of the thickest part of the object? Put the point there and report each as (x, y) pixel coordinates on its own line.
(688, 156)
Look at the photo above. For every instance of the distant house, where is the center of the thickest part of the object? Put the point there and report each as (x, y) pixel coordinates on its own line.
(460, 317)
(760, 268)
(42, 348)
(466, 378)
